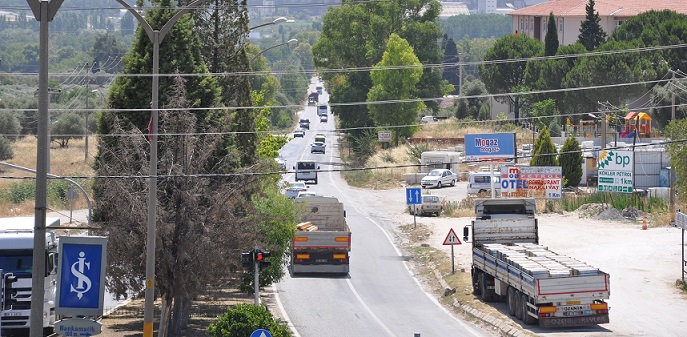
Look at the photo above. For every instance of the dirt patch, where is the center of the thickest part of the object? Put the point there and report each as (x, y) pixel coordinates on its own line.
(127, 320)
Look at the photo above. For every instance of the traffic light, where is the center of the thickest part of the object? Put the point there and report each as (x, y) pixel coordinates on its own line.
(8, 293)
(247, 260)
(261, 258)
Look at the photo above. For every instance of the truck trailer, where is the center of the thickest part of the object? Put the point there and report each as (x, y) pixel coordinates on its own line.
(16, 264)
(323, 238)
(539, 285)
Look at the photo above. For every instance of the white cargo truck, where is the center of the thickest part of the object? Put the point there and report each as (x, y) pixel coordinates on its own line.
(16, 262)
(539, 286)
(323, 238)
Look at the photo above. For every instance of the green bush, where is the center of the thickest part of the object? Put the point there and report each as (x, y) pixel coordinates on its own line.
(25, 190)
(243, 319)
(415, 150)
(57, 192)
(5, 149)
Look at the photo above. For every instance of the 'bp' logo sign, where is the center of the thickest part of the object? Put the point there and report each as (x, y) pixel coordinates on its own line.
(615, 160)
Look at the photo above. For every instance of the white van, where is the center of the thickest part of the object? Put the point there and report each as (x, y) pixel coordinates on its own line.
(321, 110)
(480, 182)
(306, 170)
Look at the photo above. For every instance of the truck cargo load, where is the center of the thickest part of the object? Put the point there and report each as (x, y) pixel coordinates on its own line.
(323, 238)
(539, 285)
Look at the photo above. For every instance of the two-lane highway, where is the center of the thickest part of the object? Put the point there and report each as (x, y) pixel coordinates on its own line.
(380, 296)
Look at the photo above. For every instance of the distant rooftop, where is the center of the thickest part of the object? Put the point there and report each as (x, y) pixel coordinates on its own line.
(616, 8)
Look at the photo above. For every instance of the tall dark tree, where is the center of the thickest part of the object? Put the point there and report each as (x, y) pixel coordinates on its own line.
(223, 32)
(509, 77)
(544, 150)
(451, 57)
(551, 39)
(570, 160)
(591, 34)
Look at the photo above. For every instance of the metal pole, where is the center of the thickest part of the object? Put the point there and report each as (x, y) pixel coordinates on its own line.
(491, 180)
(88, 92)
(44, 11)
(256, 277)
(453, 263)
(683, 256)
(672, 90)
(460, 74)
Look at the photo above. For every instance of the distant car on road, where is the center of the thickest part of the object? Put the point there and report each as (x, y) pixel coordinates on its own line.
(317, 147)
(305, 194)
(324, 119)
(295, 188)
(299, 133)
(304, 123)
(281, 162)
(431, 204)
(438, 178)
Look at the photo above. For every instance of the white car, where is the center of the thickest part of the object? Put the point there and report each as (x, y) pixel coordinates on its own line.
(281, 162)
(295, 189)
(299, 133)
(439, 177)
(317, 147)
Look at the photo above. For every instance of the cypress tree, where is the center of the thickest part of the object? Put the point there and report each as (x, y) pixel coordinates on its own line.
(551, 39)
(544, 150)
(570, 160)
(591, 33)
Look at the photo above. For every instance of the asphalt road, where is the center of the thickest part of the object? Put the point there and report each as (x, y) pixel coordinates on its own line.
(380, 296)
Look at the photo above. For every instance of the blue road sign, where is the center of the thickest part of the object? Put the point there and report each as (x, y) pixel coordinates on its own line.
(414, 196)
(261, 333)
(81, 275)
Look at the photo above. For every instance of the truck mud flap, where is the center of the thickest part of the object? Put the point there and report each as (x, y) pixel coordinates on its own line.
(555, 322)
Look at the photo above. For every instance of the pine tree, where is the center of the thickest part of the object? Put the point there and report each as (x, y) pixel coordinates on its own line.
(451, 56)
(570, 160)
(544, 150)
(591, 34)
(551, 39)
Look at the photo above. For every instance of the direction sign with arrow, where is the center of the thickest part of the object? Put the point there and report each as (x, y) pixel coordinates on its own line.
(413, 196)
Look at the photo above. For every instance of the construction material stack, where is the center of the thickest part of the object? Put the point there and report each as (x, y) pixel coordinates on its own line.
(538, 284)
(323, 238)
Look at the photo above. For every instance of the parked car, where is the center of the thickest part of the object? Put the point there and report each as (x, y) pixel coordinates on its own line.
(304, 123)
(299, 133)
(295, 188)
(480, 182)
(431, 204)
(439, 177)
(317, 147)
(281, 162)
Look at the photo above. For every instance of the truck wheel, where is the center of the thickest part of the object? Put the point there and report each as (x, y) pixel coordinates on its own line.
(475, 282)
(526, 318)
(486, 296)
(517, 299)
(511, 301)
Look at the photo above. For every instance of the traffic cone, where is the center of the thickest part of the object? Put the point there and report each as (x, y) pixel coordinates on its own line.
(643, 223)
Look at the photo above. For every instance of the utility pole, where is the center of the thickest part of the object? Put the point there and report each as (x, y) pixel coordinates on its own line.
(44, 11)
(460, 74)
(672, 91)
(88, 93)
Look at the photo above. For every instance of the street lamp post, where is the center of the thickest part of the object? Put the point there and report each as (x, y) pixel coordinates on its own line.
(270, 48)
(44, 11)
(274, 22)
(156, 37)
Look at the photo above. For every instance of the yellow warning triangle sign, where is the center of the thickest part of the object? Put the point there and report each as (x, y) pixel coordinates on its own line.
(452, 238)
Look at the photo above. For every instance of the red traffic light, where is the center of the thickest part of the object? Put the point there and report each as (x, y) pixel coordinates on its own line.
(259, 257)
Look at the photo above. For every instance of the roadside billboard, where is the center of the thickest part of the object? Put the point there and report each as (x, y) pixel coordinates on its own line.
(540, 182)
(490, 147)
(384, 136)
(616, 171)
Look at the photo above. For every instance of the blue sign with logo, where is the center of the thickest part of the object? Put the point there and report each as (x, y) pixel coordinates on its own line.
(413, 196)
(492, 147)
(261, 333)
(81, 276)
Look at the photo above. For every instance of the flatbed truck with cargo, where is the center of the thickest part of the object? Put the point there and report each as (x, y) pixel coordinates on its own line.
(538, 285)
(323, 239)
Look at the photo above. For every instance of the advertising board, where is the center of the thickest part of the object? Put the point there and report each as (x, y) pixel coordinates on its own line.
(616, 171)
(540, 182)
(490, 147)
(384, 136)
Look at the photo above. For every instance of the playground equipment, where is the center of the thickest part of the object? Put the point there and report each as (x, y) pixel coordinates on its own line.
(637, 122)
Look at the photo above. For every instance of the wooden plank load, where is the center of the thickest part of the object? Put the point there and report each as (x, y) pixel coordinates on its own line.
(306, 227)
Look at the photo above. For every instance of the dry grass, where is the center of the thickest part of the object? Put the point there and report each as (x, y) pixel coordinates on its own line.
(64, 162)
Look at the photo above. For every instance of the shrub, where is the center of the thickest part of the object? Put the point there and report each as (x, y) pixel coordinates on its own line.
(25, 190)
(243, 319)
(9, 126)
(415, 151)
(5, 149)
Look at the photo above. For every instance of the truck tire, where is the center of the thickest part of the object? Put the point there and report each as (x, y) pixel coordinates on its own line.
(517, 303)
(485, 293)
(526, 318)
(510, 299)
(475, 281)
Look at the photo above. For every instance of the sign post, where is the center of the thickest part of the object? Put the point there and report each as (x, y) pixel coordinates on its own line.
(452, 240)
(681, 221)
(414, 197)
(616, 171)
(80, 284)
